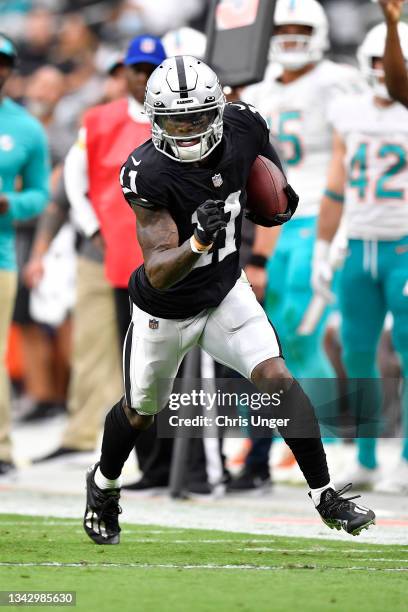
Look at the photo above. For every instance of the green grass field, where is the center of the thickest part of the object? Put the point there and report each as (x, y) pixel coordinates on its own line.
(164, 569)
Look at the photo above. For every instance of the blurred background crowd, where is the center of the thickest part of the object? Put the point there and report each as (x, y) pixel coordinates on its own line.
(83, 39)
(69, 59)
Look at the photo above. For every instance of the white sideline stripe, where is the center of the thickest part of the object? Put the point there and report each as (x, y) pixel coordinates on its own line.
(203, 566)
(198, 541)
(317, 550)
(43, 522)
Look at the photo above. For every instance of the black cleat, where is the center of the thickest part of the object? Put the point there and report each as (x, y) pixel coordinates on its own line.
(341, 513)
(102, 510)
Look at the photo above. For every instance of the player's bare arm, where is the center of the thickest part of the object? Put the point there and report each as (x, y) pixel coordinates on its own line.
(264, 245)
(166, 262)
(396, 76)
(50, 222)
(332, 201)
(331, 211)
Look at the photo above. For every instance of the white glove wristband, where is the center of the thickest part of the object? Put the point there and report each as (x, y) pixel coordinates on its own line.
(197, 247)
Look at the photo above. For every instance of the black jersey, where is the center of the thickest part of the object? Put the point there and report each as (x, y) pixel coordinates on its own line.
(181, 188)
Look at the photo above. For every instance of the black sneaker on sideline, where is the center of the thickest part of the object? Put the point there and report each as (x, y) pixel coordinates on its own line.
(42, 411)
(102, 510)
(199, 487)
(341, 513)
(61, 451)
(6, 467)
(250, 480)
(146, 483)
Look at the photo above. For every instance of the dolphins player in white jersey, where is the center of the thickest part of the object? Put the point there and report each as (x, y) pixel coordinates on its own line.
(294, 98)
(294, 101)
(369, 171)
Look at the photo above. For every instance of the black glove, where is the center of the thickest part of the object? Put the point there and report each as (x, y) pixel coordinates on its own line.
(281, 218)
(211, 218)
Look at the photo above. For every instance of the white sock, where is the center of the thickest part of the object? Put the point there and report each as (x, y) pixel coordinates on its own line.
(316, 493)
(106, 483)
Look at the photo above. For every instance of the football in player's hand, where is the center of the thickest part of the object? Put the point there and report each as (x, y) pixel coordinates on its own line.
(265, 189)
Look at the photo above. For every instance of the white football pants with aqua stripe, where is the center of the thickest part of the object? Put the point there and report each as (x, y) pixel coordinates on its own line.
(374, 281)
(287, 297)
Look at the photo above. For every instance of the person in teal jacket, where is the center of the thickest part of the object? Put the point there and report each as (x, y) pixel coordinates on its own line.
(24, 177)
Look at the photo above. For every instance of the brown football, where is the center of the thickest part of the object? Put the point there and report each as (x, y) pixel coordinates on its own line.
(265, 195)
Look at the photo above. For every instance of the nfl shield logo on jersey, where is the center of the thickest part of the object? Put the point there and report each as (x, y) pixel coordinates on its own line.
(217, 180)
(153, 324)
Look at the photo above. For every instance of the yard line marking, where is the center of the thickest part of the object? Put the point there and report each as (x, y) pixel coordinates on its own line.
(209, 566)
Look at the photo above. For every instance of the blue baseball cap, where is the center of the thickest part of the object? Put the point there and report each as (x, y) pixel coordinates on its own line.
(145, 49)
(7, 47)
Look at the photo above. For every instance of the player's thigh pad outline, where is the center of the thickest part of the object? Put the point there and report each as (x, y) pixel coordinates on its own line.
(361, 303)
(238, 334)
(152, 353)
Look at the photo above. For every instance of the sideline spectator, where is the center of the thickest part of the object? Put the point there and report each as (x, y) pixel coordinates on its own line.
(95, 355)
(45, 349)
(23, 152)
(39, 39)
(45, 89)
(91, 181)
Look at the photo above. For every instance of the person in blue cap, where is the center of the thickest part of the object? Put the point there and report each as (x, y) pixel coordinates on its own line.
(23, 162)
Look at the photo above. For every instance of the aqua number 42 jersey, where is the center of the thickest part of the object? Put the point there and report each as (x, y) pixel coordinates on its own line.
(376, 165)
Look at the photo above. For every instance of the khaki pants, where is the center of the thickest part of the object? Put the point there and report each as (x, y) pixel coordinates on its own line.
(96, 377)
(8, 288)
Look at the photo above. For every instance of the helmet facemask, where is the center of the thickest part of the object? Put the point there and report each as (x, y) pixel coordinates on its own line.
(294, 51)
(376, 80)
(188, 134)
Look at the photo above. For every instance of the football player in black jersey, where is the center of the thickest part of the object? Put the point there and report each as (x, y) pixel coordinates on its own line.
(187, 188)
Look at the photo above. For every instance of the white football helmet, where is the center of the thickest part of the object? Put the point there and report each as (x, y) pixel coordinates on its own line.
(304, 49)
(372, 47)
(185, 104)
(185, 41)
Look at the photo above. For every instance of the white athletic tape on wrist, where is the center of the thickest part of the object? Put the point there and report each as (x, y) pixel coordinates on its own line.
(197, 247)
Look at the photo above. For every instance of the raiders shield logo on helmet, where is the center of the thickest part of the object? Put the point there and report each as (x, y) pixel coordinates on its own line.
(153, 324)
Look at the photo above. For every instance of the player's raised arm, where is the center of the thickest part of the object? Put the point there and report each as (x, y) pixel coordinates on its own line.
(396, 75)
(165, 261)
(331, 211)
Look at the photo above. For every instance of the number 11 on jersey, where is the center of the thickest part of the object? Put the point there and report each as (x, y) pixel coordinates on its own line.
(226, 237)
